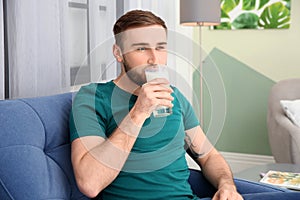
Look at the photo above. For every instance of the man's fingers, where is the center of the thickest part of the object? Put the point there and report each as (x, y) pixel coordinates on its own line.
(165, 103)
(151, 87)
(164, 95)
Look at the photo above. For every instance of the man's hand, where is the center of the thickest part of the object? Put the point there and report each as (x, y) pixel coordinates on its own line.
(227, 192)
(152, 94)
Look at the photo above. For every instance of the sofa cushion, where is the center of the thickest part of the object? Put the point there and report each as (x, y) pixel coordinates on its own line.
(35, 149)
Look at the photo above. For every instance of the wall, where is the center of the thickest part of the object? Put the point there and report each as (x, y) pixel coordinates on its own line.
(244, 129)
(261, 56)
(273, 53)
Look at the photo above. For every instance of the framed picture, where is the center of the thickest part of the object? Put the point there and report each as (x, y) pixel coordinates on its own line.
(254, 14)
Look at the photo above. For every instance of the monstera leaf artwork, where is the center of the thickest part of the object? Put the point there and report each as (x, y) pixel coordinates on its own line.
(254, 14)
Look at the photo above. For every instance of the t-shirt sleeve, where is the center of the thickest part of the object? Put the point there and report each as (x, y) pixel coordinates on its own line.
(85, 119)
(190, 119)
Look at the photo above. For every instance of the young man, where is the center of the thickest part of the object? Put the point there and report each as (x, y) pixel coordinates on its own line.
(122, 152)
(119, 150)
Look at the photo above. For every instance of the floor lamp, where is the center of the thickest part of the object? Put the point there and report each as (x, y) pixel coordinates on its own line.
(200, 13)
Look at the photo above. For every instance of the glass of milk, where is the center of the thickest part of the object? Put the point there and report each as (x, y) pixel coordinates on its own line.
(158, 71)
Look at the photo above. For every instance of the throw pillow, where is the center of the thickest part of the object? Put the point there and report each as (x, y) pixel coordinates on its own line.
(292, 110)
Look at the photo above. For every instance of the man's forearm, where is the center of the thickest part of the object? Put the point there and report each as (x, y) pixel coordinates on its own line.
(217, 171)
(212, 163)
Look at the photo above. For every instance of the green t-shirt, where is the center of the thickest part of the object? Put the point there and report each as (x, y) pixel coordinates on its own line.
(156, 167)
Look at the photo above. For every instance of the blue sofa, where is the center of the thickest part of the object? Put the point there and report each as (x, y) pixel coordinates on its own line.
(35, 153)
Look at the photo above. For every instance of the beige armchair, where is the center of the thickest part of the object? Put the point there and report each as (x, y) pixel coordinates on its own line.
(284, 136)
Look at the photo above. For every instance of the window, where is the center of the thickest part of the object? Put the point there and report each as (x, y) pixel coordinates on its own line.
(90, 31)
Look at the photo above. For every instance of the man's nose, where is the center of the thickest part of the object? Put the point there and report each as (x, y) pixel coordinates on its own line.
(153, 57)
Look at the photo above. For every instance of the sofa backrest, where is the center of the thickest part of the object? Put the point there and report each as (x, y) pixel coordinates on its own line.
(35, 149)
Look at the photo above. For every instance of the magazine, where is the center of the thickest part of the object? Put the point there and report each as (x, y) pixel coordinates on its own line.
(283, 179)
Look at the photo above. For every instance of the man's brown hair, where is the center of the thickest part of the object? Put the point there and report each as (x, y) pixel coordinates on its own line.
(135, 19)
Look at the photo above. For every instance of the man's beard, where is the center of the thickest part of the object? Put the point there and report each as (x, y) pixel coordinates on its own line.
(136, 74)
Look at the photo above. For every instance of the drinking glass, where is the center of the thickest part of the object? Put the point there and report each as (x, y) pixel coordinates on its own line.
(158, 71)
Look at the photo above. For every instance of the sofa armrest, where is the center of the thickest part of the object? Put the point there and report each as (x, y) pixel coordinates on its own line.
(284, 136)
(293, 133)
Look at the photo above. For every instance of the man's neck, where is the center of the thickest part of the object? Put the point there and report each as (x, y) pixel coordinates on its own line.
(125, 83)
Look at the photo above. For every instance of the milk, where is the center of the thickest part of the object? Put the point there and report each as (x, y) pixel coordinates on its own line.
(153, 73)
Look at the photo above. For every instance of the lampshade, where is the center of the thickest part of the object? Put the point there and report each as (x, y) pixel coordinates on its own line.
(200, 12)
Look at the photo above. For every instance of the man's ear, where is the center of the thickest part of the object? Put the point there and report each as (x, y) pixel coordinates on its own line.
(117, 53)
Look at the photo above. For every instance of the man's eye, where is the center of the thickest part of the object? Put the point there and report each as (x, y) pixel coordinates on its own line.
(162, 48)
(141, 48)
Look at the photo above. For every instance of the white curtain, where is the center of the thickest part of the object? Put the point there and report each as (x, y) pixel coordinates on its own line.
(37, 41)
(1, 53)
(102, 17)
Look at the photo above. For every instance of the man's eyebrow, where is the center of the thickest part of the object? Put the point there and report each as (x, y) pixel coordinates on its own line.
(162, 43)
(147, 44)
(140, 44)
